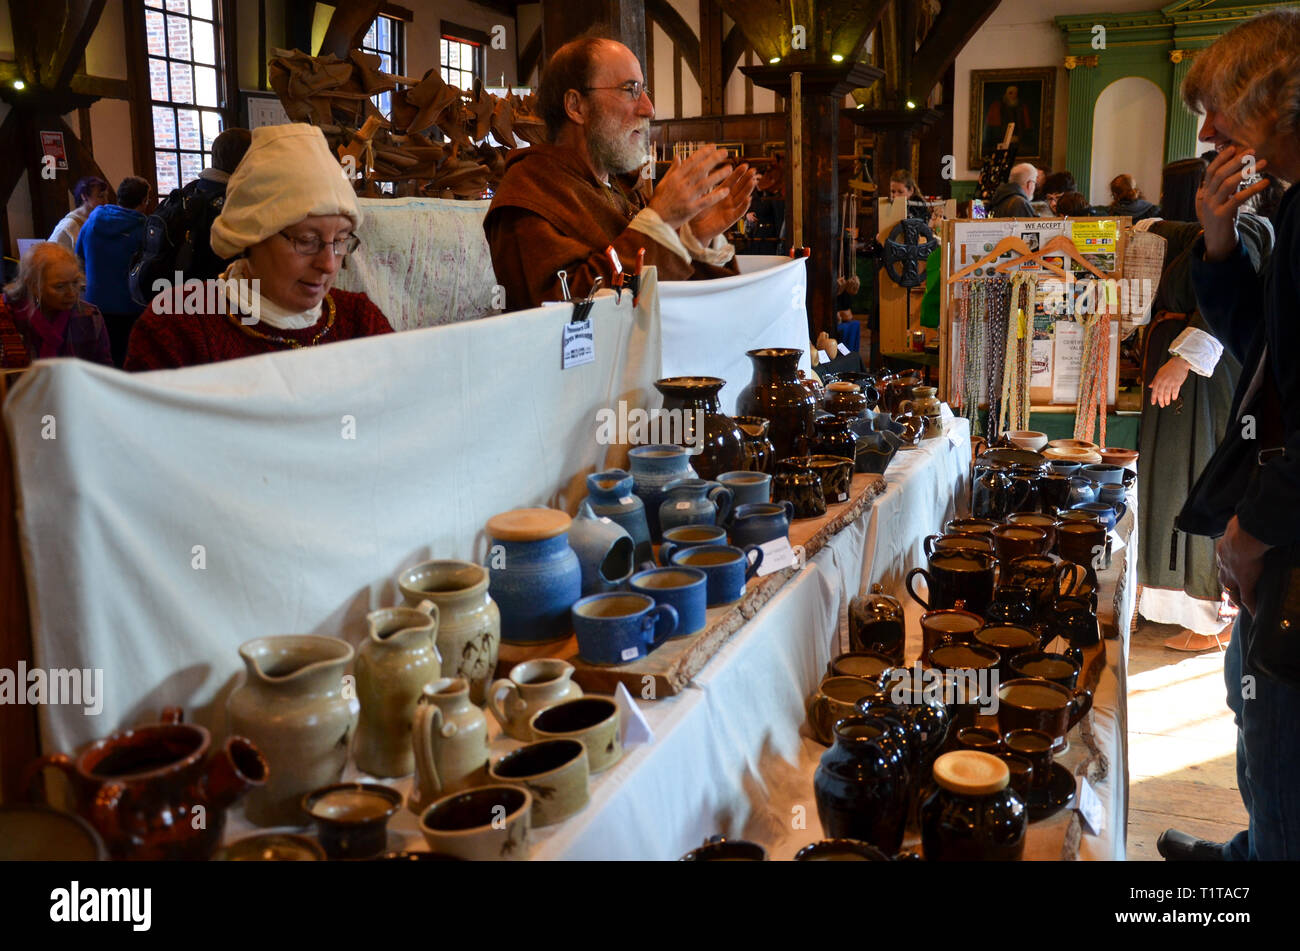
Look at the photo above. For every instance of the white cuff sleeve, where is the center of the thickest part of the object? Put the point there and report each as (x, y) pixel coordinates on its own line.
(718, 253)
(1199, 349)
(648, 223)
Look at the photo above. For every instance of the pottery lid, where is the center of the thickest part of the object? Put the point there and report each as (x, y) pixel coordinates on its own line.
(971, 773)
(528, 525)
(843, 386)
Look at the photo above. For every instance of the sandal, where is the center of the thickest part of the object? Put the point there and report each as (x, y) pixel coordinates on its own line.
(1193, 643)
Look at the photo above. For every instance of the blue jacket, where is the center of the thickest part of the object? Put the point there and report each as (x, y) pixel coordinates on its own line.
(109, 239)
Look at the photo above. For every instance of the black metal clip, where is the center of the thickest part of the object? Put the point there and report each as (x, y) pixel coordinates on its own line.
(583, 307)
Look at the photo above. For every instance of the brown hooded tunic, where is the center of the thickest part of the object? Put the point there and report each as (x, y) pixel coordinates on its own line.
(551, 213)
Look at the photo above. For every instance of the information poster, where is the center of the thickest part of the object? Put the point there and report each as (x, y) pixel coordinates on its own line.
(1098, 241)
(1067, 352)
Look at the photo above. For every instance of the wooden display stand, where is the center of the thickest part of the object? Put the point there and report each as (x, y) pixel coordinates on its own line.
(672, 665)
(1042, 397)
(896, 318)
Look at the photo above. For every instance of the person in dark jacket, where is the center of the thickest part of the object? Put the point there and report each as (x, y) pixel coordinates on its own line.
(1056, 185)
(1074, 205)
(1127, 200)
(111, 237)
(1012, 199)
(1246, 85)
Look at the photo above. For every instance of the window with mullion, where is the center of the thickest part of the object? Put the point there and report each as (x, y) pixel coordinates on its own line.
(183, 46)
(462, 61)
(386, 39)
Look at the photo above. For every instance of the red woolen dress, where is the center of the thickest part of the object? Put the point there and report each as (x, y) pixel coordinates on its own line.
(162, 341)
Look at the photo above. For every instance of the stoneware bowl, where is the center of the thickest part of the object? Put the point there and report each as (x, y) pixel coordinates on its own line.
(1028, 439)
(1116, 456)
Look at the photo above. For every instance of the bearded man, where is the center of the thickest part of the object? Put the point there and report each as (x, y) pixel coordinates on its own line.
(561, 204)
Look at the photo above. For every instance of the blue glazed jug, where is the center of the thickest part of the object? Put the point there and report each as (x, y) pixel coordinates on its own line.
(653, 467)
(610, 495)
(694, 502)
(534, 576)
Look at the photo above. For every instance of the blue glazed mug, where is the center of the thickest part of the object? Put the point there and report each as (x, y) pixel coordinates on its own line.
(757, 523)
(726, 567)
(747, 487)
(689, 536)
(684, 588)
(617, 628)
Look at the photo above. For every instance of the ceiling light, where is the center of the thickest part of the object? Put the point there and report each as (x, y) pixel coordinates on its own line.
(837, 58)
(774, 60)
(911, 104)
(19, 84)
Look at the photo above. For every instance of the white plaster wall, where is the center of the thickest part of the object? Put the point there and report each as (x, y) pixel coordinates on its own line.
(1128, 126)
(661, 83)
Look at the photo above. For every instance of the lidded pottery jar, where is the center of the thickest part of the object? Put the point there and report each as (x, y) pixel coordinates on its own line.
(925, 403)
(845, 399)
(534, 576)
(834, 437)
(653, 467)
(760, 456)
(775, 393)
(469, 623)
(861, 784)
(396, 661)
(610, 495)
(876, 624)
(973, 815)
(605, 551)
(450, 742)
(720, 440)
(292, 706)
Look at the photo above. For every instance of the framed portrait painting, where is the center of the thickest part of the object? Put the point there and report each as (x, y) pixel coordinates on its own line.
(1001, 97)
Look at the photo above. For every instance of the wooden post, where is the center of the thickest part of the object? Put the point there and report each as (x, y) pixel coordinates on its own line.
(563, 20)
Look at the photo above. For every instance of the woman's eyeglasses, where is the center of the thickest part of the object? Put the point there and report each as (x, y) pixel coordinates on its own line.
(311, 245)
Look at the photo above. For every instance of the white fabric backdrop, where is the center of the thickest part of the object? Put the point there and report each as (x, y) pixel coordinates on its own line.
(705, 335)
(303, 530)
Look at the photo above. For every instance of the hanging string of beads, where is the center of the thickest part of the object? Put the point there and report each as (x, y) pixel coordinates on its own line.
(1018, 365)
(1094, 375)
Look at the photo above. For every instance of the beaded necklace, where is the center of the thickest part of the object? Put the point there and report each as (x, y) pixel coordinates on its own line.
(286, 341)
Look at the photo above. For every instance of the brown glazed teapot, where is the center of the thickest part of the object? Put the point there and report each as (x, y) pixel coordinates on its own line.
(153, 793)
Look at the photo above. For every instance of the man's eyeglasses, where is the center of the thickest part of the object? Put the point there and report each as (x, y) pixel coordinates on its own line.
(311, 245)
(632, 87)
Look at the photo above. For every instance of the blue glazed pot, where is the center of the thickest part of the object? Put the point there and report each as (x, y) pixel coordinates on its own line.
(653, 468)
(684, 588)
(534, 582)
(618, 628)
(689, 536)
(1082, 492)
(610, 496)
(694, 502)
(604, 550)
(1109, 515)
(761, 522)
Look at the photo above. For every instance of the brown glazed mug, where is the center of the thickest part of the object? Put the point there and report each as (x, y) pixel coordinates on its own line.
(1031, 703)
(1022, 773)
(960, 657)
(1035, 746)
(1047, 523)
(1058, 668)
(950, 542)
(979, 738)
(835, 699)
(1082, 543)
(1012, 541)
(958, 579)
(950, 626)
(1010, 641)
(1043, 575)
(869, 665)
(970, 526)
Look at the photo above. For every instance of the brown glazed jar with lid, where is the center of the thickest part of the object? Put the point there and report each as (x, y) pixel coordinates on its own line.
(973, 815)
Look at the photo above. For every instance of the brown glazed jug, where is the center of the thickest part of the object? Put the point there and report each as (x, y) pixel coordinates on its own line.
(154, 793)
(775, 393)
(293, 705)
(720, 440)
(394, 664)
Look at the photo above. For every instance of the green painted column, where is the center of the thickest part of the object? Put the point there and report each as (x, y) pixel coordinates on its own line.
(1180, 136)
(1078, 147)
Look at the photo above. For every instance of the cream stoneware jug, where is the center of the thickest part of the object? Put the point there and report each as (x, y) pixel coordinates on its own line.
(450, 740)
(398, 659)
(532, 686)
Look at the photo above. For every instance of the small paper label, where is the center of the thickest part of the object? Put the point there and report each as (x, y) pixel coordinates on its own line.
(632, 725)
(844, 351)
(1090, 807)
(777, 554)
(630, 653)
(626, 500)
(579, 344)
(682, 505)
(842, 497)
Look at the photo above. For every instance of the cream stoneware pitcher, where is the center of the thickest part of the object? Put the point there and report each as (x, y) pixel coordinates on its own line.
(532, 686)
(449, 736)
(396, 662)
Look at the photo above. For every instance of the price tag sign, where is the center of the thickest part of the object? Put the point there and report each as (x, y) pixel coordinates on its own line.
(777, 555)
(579, 345)
(1090, 807)
(844, 351)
